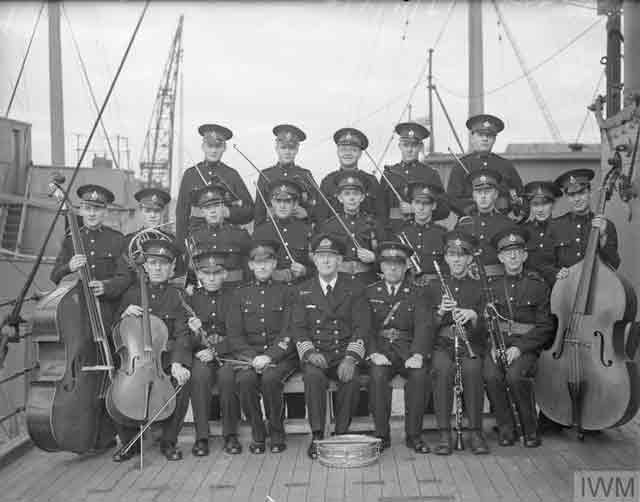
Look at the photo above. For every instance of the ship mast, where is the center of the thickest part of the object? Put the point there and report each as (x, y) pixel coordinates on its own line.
(56, 107)
(476, 66)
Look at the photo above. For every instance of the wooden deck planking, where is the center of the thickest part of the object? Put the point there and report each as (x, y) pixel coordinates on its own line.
(509, 474)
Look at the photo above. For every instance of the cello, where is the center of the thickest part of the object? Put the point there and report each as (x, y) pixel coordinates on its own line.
(140, 389)
(586, 380)
(64, 403)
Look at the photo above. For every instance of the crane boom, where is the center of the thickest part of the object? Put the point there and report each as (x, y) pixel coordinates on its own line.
(157, 153)
(537, 94)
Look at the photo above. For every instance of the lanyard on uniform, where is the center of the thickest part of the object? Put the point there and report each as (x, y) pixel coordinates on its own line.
(506, 297)
(390, 314)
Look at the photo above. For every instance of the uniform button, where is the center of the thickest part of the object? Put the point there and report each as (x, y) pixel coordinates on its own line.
(93, 266)
(318, 331)
(266, 347)
(481, 236)
(213, 314)
(262, 292)
(92, 253)
(513, 285)
(482, 223)
(153, 297)
(335, 321)
(511, 298)
(262, 319)
(456, 289)
(337, 351)
(419, 246)
(578, 225)
(541, 245)
(262, 305)
(284, 229)
(393, 317)
(541, 234)
(92, 241)
(353, 249)
(335, 341)
(578, 253)
(577, 239)
(264, 334)
(317, 321)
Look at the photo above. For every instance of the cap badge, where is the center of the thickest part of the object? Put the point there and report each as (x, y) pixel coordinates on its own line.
(512, 238)
(325, 243)
(540, 191)
(483, 179)
(458, 242)
(94, 195)
(572, 180)
(348, 136)
(486, 123)
(411, 133)
(154, 198)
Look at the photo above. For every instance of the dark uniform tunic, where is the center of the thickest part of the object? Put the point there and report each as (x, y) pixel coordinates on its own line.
(427, 243)
(165, 302)
(367, 232)
(239, 214)
(402, 325)
(459, 187)
(525, 300)
(238, 237)
(300, 174)
(335, 325)
(468, 294)
(296, 234)
(541, 249)
(104, 247)
(212, 308)
(570, 234)
(329, 187)
(258, 324)
(483, 226)
(400, 175)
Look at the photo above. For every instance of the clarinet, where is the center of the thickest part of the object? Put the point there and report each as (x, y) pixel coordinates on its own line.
(492, 317)
(459, 334)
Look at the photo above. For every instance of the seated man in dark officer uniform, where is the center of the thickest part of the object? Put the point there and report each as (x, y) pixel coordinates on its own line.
(570, 232)
(104, 247)
(400, 343)
(522, 297)
(330, 324)
(409, 169)
(166, 303)
(284, 195)
(211, 201)
(484, 128)
(359, 260)
(350, 143)
(212, 170)
(540, 247)
(485, 221)
(465, 308)
(423, 234)
(210, 303)
(288, 139)
(258, 327)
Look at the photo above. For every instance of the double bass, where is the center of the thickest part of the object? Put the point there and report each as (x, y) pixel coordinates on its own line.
(140, 390)
(586, 379)
(64, 402)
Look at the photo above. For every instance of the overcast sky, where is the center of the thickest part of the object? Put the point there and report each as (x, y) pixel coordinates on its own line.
(320, 65)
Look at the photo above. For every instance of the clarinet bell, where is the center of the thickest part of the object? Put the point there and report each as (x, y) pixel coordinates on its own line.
(459, 446)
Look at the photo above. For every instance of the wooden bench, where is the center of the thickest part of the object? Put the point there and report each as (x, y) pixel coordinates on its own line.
(295, 385)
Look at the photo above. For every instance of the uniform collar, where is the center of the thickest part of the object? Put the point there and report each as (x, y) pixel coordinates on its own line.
(424, 225)
(88, 230)
(263, 284)
(211, 293)
(288, 165)
(539, 223)
(160, 286)
(324, 284)
(514, 278)
(217, 226)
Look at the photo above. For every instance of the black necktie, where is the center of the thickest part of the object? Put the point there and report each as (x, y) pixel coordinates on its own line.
(329, 291)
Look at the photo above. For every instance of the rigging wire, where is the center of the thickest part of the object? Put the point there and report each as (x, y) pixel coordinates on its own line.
(588, 112)
(524, 75)
(24, 60)
(420, 79)
(87, 81)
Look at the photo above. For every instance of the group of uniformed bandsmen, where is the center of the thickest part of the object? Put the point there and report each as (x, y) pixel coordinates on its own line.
(339, 280)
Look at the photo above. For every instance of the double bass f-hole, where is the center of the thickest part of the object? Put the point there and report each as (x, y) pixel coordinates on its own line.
(608, 362)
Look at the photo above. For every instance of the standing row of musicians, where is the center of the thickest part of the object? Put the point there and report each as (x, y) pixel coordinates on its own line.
(339, 314)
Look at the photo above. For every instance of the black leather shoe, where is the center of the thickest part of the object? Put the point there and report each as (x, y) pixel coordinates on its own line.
(170, 451)
(278, 447)
(385, 443)
(444, 443)
(119, 456)
(478, 443)
(417, 445)
(257, 448)
(505, 439)
(201, 448)
(532, 441)
(232, 445)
